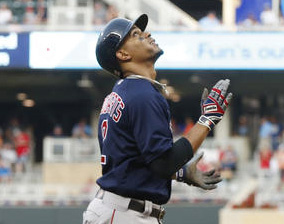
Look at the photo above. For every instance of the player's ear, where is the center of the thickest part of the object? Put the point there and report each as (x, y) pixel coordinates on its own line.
(123, 55)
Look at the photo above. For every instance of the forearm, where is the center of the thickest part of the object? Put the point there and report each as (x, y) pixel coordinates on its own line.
(197, 135)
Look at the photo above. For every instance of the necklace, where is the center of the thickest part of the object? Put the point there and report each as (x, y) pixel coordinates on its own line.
(157, 84)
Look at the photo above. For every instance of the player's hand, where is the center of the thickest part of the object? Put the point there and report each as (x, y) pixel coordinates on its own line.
(195, 177)
(214, 105)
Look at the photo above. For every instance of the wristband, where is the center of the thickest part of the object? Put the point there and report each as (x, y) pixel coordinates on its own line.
(203, 120)
(180, 174)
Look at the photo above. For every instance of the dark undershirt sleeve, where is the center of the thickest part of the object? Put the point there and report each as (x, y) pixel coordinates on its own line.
(173, 159)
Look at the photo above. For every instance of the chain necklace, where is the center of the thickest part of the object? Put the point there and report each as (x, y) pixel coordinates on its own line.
(160, 86)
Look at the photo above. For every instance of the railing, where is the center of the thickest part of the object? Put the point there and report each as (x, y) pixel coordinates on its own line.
(37, 189)
(39, 194)
(71, 150)
(70, 13)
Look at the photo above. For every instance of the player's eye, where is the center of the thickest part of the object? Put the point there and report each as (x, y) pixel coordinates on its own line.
(135, 33)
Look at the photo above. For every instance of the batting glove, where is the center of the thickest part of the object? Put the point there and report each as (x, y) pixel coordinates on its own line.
(190, 175)
(214, 105)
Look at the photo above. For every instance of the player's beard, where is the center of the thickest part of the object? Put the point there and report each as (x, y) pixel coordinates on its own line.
(158, 54)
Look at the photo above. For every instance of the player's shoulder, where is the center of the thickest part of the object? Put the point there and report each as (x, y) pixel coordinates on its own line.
(141, 89)
(136, 88)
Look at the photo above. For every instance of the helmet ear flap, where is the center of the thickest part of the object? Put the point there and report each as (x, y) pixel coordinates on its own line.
(112, 40)
(108, 49)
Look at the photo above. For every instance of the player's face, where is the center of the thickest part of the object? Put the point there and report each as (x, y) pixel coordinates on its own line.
(141, 46)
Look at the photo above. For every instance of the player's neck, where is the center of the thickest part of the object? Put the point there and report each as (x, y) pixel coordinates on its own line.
(146, 70)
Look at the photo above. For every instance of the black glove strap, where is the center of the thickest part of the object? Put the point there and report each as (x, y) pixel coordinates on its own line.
(181, 174)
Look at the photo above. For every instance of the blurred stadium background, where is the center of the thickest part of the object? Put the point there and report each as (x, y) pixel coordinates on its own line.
(52, 88)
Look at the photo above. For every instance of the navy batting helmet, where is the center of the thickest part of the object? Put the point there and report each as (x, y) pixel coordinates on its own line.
(112, 37)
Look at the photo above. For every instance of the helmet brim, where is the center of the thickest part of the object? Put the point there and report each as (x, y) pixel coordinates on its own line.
(141, 22)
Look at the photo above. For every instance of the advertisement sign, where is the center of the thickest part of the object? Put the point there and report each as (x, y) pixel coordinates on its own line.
(222, 51)
(63, 50)
(14, 50)
(182, 50)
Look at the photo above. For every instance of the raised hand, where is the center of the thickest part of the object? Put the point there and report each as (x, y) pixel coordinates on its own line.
(214, 105)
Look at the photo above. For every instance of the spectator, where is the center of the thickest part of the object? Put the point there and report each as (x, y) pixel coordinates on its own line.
(8, 154)
(265, 128)
(100, 13)
(19, 8)
(265, 155)
(22, 145)
(30, 17)
(210, 21)
(82, 130)
(228, 159)
(111, 13)
(12, 129)
(5, 172)
(280, 160)
(6, 15)
(250, 21)
(41, 11)
(1, 137)
(57, 131)
(276, 131)
(268, 17)
(243, 126)
(228, 162)
(265, 131)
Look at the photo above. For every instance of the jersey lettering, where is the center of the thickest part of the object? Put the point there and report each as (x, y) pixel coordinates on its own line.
(113, 105)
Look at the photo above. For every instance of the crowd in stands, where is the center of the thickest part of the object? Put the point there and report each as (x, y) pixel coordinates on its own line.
(267, 18)
(17, 142)
(271, 146)
(15, 147)
(32, 12)
(210, 22)
(23, 12)
(81, 130)
(103, 12)
(224, 159)
(269, 150)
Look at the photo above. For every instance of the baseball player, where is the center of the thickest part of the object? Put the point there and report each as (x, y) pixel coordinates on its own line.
(138, 156)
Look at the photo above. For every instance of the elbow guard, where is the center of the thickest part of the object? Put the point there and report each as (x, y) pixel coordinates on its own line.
(173, 159)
